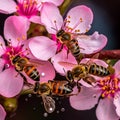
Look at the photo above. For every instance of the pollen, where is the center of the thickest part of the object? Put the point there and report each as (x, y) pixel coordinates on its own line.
(109, 86)
(81, 20)
(23, 37)
(69, 16)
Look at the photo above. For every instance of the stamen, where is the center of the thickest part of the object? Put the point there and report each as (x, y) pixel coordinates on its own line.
(109, 86)
(2, 46)
(55, 25)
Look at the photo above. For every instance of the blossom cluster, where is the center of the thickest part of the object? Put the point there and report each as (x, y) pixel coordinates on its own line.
(51, 54)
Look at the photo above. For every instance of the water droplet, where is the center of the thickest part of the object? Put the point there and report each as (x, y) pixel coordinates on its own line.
(57, 98)
(57, 111)
(94, 95)
(42, 74)
(7, 66)
(62, 109)
(45, 114)
(26, 99)
(34, 108)
(29, 95)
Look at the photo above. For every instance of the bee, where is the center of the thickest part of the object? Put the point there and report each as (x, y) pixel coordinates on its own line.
(84, 71)
(23, 64)
(72, 44)
(51, 88)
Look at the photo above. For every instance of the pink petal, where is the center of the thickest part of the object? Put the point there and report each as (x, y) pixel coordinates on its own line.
(35, 19)
(15, 29)
(56, 2)
(86, 99)
(42, 47)
(1, 64)
(63, 62)
(2, 113)
(80, 18)
(10, 85)
(106, 110)
(116, 102)
(117, 68)
(7, 6)
(2, 46)
(91, 44)
(46, 71)
(51, 18)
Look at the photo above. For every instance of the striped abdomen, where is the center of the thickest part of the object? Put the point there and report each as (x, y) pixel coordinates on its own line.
(75, 49)
(32, 72)
(60, 89)
(98, 70)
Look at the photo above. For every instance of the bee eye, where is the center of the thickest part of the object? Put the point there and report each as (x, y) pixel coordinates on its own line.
(60, 33)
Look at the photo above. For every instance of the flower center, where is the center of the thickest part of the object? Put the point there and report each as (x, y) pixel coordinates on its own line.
(11, 52)
(28, 8)
(60, 45)
(109, 86)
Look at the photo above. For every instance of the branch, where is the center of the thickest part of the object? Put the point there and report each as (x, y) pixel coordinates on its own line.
(106, 54)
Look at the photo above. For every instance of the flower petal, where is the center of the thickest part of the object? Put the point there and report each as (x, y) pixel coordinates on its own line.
(2, 113)
(42, 47)
(2, 46)
(80, 18)
(51, 18)
(18, 31)
(7, 6)
(10, 85)
(86, 99)
(116, 102)
(91, 44)
(106, 110)
(117, 68)
(63, 62)
(35, 19)
(46, 71)
(1, 65)
(56, 2)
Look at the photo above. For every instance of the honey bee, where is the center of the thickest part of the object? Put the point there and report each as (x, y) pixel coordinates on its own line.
(51, 88)
(23, 64)
(84, 71)
(72, 44)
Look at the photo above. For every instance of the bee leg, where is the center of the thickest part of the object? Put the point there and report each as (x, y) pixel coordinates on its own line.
(81, 56)
(78, 86)
(61, 47)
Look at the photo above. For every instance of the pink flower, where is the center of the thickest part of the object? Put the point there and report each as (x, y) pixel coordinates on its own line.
(27, 8)
(11, 81)
(2, 113)
(106, 94)
(77, 21)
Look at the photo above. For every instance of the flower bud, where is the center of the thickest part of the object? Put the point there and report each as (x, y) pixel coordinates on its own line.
(10, 104)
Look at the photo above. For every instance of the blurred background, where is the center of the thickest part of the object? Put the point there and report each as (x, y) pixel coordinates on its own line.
(106, 21)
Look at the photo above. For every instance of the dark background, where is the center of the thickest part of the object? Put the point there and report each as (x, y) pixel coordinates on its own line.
(107, 22)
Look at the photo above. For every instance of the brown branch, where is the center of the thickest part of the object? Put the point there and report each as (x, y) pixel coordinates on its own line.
(105, 54)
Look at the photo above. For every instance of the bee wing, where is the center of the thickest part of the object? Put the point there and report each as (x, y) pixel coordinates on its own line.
(90, 80)
(49, 103)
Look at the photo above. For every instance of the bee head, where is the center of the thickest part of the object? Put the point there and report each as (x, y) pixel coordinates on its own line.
(60, 33)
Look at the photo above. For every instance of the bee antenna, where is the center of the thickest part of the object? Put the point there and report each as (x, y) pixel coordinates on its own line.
(64, 71)
(54, 29)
